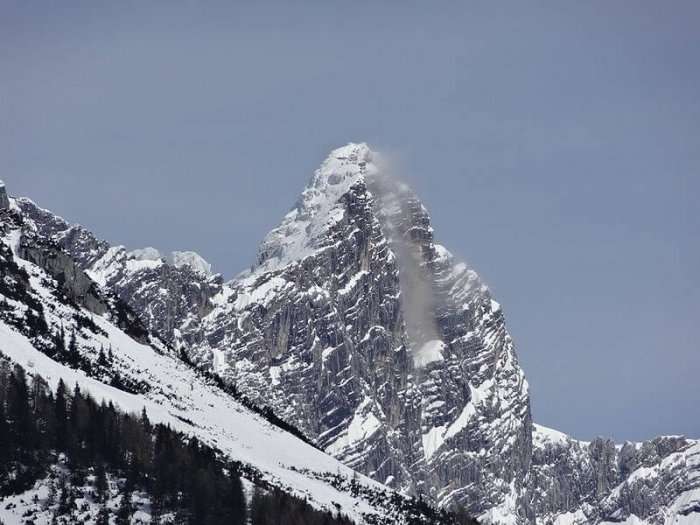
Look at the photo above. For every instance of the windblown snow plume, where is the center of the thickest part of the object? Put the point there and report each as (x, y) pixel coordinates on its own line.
(418, 297)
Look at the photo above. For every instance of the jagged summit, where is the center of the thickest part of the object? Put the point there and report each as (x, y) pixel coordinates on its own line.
(359, 327)
(318, 206)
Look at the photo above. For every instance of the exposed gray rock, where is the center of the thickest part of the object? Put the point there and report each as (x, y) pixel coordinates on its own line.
(73, 281)
(657, 481)
(4, 200)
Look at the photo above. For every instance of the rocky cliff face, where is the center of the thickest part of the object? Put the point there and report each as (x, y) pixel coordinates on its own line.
(358, 327)
(575, 482)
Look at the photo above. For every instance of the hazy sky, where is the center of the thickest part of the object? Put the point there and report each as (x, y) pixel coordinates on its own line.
(557, 147)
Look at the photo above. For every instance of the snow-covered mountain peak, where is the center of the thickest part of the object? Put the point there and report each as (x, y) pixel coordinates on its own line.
(342, 169)
(318, 206)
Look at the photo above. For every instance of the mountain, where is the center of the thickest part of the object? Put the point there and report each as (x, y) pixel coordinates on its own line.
(358, 328)
(58, 323)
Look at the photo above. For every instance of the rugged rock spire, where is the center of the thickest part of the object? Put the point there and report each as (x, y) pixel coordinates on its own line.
(362, 330)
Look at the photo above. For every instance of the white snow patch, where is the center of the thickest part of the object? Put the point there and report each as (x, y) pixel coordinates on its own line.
(259, 294)
(145, 254)
(352, 282)
(137, 265)
(275, 372)
(364, 423)
(191, 260)
(186, 259)
(106, 266)
(436, 436)
(504, 514)
(462, 420)
(631, 520)
(432, 441)
(428, 352)
(542, 435)
(219, 360)
(571, 518)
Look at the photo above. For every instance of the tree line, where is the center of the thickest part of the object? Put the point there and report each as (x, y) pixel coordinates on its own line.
(187, 482)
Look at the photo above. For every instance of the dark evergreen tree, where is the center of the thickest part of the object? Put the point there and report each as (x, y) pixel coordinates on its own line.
(61, 417)
(103, 516)
(73, 356)
(100, 483)
(102, 358)
(126, 509)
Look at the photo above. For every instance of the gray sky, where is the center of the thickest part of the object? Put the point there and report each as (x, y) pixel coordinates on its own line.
(557, 147)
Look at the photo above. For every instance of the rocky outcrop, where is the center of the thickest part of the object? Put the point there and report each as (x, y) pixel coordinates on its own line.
(4, 200)
(72, 280)
(657, 481)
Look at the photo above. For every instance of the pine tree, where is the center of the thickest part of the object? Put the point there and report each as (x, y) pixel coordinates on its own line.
(51, 498)
(236, 498)
(59, 344)
(126, 509)
(18, 411)
(73, 354)
(63, 499)
(103, 516)
(102, 358)
(101, 483)
(61, 415)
